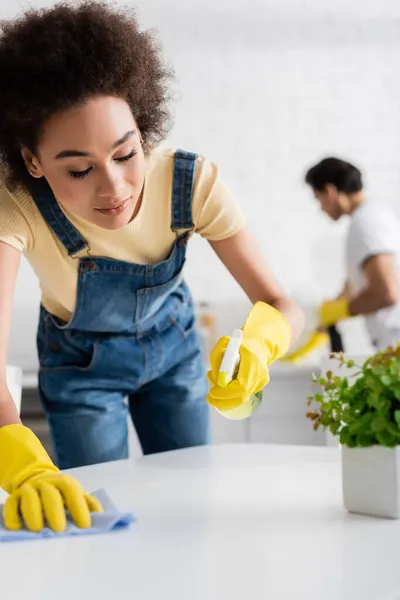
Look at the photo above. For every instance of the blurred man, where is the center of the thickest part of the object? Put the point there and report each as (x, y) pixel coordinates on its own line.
(372, 287)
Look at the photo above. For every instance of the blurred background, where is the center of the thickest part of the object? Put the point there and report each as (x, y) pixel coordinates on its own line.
(265, 88)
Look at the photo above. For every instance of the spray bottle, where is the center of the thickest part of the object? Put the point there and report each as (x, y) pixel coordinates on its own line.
(228, 371)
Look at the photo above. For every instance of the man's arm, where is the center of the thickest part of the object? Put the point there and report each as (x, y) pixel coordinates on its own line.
(382, 287)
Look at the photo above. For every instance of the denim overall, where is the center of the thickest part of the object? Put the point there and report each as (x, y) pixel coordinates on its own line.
(131, 344)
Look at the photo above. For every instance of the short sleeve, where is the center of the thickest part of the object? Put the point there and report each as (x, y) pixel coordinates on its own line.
(375, 233)
(15, 228)
(216, 213)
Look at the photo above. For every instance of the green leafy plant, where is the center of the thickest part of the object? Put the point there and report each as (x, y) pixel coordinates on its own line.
(363, 412)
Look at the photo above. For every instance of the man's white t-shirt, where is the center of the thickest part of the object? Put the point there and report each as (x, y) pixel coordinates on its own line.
(374, 230)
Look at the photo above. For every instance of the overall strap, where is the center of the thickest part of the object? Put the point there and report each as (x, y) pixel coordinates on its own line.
(182, 191)
(51, 212)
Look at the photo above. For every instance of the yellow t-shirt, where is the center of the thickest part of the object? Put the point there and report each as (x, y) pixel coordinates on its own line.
(147, 239)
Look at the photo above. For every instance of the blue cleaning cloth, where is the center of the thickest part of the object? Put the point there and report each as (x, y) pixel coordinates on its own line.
(108, 520)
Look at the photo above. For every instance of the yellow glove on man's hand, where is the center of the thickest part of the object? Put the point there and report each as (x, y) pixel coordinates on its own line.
(334, 311)
(315, 341)
(37, 489)
(266, 337)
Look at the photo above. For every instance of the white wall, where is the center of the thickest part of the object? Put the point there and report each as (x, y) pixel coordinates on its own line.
(265, 88)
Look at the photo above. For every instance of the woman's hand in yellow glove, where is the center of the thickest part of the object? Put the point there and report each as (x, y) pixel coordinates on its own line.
(44, 500)
(266, 337)
(252, 376)
(38, 491)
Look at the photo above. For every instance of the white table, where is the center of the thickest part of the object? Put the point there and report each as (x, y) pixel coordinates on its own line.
(219, 523)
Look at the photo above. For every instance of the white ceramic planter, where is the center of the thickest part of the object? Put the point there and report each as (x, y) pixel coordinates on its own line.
(371, 481)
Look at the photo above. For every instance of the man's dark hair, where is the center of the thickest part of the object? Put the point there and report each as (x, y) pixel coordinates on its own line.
(53, 59)
(343, 175)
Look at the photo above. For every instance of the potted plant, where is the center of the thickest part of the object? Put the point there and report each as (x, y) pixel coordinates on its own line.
(365, 414)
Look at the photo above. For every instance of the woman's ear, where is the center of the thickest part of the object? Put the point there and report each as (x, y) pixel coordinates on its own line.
(31, 163)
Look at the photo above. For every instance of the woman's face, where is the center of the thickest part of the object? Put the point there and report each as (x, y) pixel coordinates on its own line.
(92, 158)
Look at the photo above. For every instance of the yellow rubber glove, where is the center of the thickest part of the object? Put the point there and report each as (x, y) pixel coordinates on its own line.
(36, 488)
(315, 341)
(266, 337)
(333, 311)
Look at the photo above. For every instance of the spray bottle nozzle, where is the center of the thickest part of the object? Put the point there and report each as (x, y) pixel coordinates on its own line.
(231, 359)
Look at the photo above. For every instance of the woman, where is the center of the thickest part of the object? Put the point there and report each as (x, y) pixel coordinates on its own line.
(104, 218)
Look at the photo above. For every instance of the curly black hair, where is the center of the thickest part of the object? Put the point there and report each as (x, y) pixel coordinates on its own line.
(53, 59)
